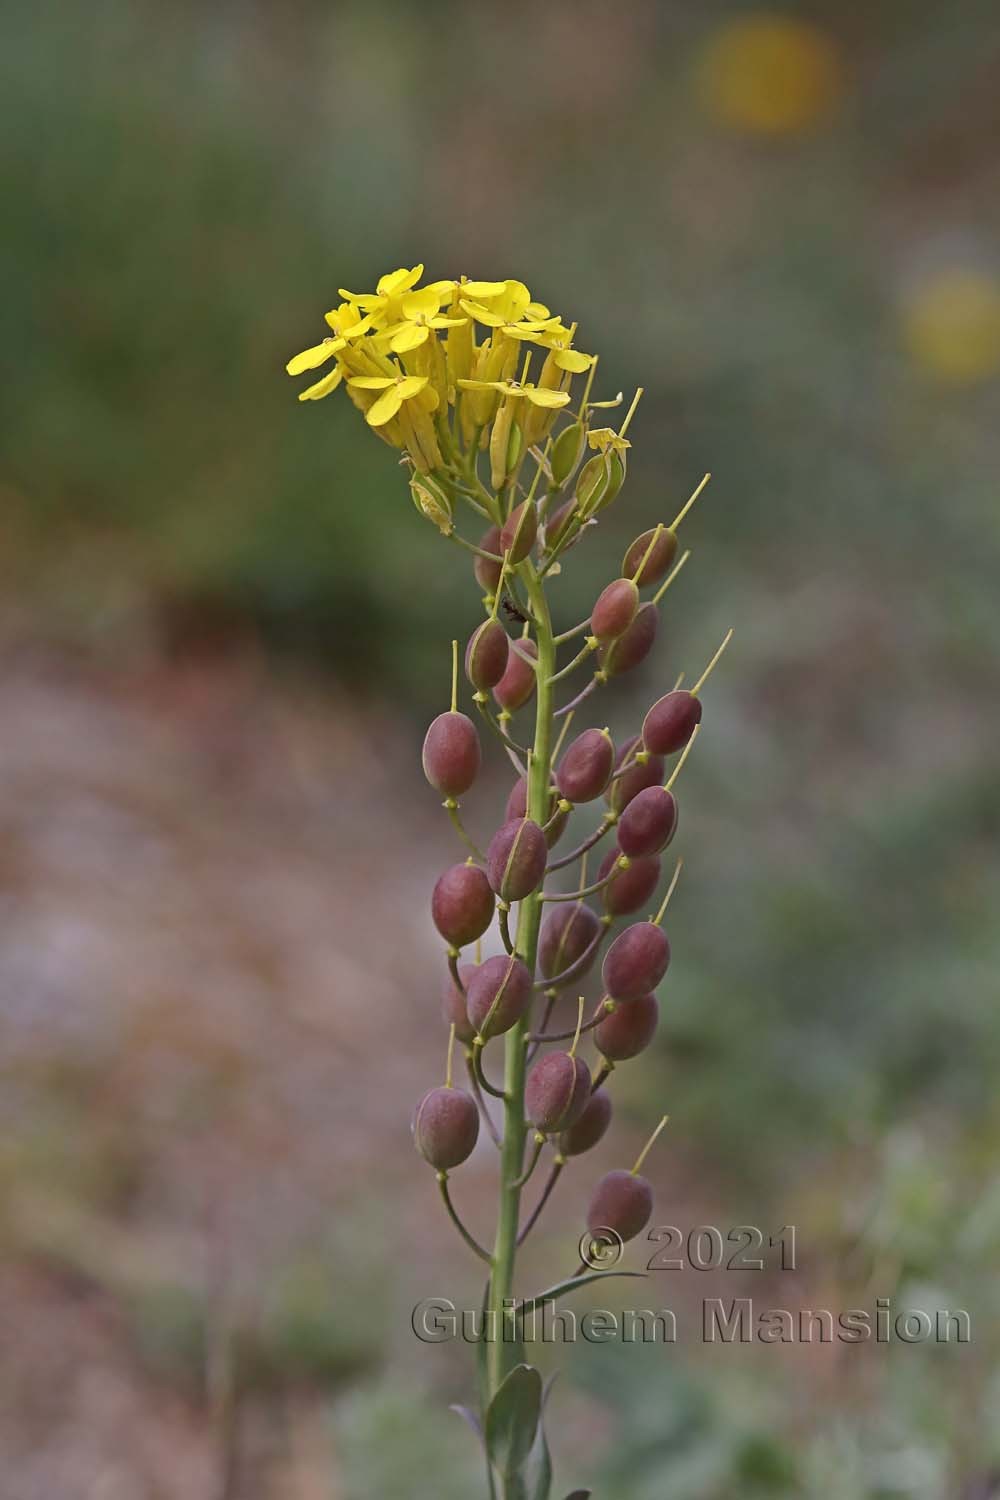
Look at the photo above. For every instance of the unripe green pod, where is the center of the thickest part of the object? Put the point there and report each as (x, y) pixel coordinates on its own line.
(590, 1128)
(558, 522)
(634, 646)
(462, 904)
(648, 823)
(628, 1030)
(452, 754)
(517, 807)
(631, 888)
(657, 564)
(566, 452)
(671, 722)
(585, 767)
(518, 682)
(556, 1092)
(488, 572)
(615, 610)
(486, 655)
(634, 779)
(622, 1202)
(592, 483)
(453, 1005)
(616, 478)
(504, 981)
(636, 961)
(517, 535)
(567, 932)
(515, 859)
(446, 1127)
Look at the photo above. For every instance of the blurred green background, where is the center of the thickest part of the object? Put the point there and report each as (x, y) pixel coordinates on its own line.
(223, 627)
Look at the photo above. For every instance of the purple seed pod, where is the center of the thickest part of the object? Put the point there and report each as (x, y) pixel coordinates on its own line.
(630, 888)
(615, 610)
(517, 807)
(486, 655)
(556, 1092)
(591, 1127)
(504, 981)
(585, 768)
(515, 859)
(632, 647)
(636, 962)
(558, 522)
(453, 1005)
(519, 531)
(633, 780)
(648, 823)
(671, 722)
(487, 572)
(518, 681)
(628, 1030)
(446, 1127)
(567, 932)
(462, 904)
(657, 564)
(452, 754)
(621, 1201)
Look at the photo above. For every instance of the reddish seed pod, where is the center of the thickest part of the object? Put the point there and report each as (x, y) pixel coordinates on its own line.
(519, 531)
(591, 1127)
(634, 779)
(557, 523)
(567, 932)
(515, 859)
(636, 962)
(628, 1030)
(453, 1005)
(556, 1092)
(632, 647)
(621, 1201)
(504, 981)
(631, 888)
(462, 904)
(452, 754)
(517, 807)
(671, 722)
(518, 681)
(488, 572)
(657, 564)
(446, 1127)
(615, 610)
(648, 823)
(486, 655)
(585, 768)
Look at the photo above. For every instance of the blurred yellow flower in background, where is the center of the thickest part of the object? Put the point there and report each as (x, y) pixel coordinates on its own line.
(951, 325)
(769, 74)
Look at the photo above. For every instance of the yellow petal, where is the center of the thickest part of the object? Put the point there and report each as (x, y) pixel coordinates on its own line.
(385, 407)
(311, 359)
(394, 283)
(572, 359)
(539, 396)
(408, 336)
(371, 382)
(483, 288)
(536, 310)
(323, 387)
(483, 314)
(410, 385)
(424, 303)
(482, 385)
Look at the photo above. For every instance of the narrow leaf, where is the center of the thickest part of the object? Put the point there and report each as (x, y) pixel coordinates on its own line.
(512, 1420)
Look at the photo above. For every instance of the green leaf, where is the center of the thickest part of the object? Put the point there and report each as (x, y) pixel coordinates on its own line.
(512, 1422)
(536, 1475)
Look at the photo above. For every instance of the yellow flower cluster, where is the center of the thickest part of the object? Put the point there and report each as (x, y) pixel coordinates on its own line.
(442, 371)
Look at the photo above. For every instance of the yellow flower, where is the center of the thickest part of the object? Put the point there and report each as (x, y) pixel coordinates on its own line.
(395, 390)
(420, 315)
(536, 394)
(385, 305)
(605, 439)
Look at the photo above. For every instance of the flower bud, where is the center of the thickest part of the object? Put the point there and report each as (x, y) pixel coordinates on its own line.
(591, 1127)
(556, 1092)
(452, 754)
(503, 982)
(648, 823)
(671, 722)
(634, 779)
(628, 1030)
(518, 681)
(632, 647)
(515, 859)
(567, 932)
(446, 1127)
(488, 572)
(636, 961)
(621, 1201)
(631, 888)
(566, 452)
(486, 655)
(615, 610)
(462, 904)
(657, 564)
(453, 1005)
(585, 768)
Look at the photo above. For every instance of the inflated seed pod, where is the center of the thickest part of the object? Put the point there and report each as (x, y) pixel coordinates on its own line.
(558, 523)
(517, 807)
(671, 722)
(515, 859)
(591, 1127)
(585, 767)
(634, 646)
(631, 888)
(517, 535)
(505, 982)
(446, 1127)
(486, 655)
(453, 1005)
(634, 779)
(518, 681)
(615, 610)
(648, 823)
(628, 1030)
(567, 932)
(657, 564)
(556, 1092)
(452, 754)
(462, 904)
(486, 570)
(636, 962)
(623, 1202)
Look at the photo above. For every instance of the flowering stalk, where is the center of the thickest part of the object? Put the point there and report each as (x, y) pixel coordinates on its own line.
(443, 374)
